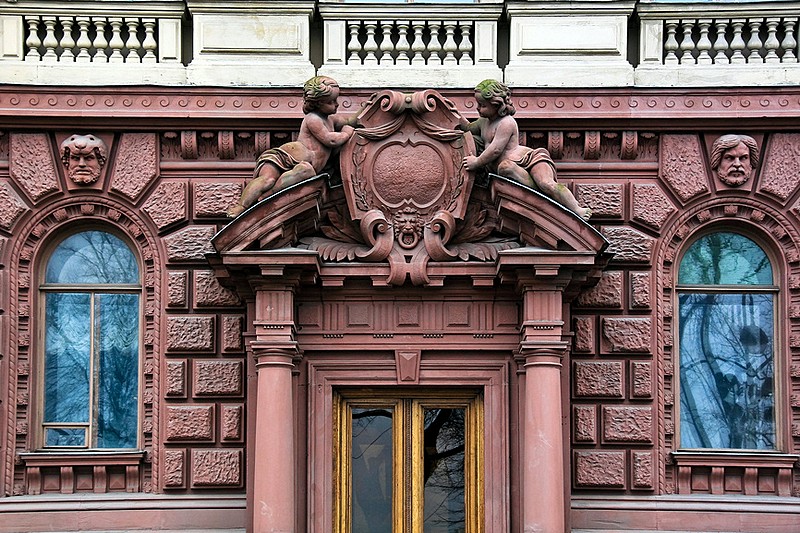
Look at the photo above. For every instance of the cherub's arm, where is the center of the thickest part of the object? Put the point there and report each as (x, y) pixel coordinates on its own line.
(473, 127)
(339, 121)
(504, 132)
(320, 130)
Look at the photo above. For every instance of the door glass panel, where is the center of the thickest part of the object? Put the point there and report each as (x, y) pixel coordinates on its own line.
(443, 465)
(371, 463)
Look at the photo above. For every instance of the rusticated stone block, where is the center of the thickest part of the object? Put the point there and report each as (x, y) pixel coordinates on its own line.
(599, 469)
(190, 422)
(627, 424)
(31, 164)
(781, 166)
(584, 429)
(628, 244)
(176, 378)
(176, 288)
(642, 379)
(174, 468)
(627, 335)
(216, 467)
(232, 422)
(167, 204)
(640, 290)
(605, 200)
(190, 243)
(598, 379)
(214, 199)
(607, 293)
(218, 378)
(682, 166)
(11, 207)
(642, 470)
(190, 333)
(650, 205)
(584, 334)
(209, 293)
(136, 164)
(232, 333)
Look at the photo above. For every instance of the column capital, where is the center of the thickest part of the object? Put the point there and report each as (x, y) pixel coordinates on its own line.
(534, 353)
(281, 354)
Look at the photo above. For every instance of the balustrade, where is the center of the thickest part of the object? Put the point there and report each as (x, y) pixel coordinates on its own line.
(727, 41)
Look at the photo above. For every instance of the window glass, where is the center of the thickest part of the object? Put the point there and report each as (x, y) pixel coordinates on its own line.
(726, 345)
(91, 343)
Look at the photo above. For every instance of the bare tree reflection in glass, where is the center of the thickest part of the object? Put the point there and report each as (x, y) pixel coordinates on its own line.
(371, 465)
(726, 327)
(444, 475)
(92, 304)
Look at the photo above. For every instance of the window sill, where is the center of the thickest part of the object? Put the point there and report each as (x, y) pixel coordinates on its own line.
(733, 472)
(68, 472)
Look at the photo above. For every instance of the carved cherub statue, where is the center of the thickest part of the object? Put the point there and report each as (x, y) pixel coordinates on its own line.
(320, 132)
(503, 153)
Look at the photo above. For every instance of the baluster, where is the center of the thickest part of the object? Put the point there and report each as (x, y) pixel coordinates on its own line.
(100, 43)
(116, 43)
(353, 46)
(704, 43)
(387, 46)
(132, 43)
(789, 42)
(67, 42)
(687, 44)
(671, 43)
(402, 43)
(370, 46)
(450, 46)
(466, 44)
(434, 46)
(418, 45)
(720, 44)
(149, 45)
(737, 43)
(84, 43)
(50, 42)
(772, 44)
(754, 44)
(32, 41)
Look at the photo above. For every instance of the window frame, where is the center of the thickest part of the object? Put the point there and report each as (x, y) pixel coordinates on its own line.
(40, 327)
(779, 355)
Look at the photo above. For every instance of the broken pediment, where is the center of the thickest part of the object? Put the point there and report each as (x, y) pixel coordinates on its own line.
(406, 200)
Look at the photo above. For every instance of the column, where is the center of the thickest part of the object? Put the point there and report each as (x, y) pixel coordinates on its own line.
(542, 348)
(274, 348)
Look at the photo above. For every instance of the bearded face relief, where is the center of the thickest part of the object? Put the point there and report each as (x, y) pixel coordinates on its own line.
(84, 157)
(733, 157)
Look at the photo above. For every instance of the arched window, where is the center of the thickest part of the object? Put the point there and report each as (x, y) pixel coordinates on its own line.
(91, 298)
(726, 299)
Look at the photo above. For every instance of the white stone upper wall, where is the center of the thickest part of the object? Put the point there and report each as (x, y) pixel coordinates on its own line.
(274, 43)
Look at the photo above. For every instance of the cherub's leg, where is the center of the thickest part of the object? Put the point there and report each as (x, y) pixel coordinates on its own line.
(509, 169)
(544, 175)
(301, 171)
(264, 181)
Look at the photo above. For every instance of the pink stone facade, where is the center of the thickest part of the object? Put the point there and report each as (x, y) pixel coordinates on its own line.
(246, 337)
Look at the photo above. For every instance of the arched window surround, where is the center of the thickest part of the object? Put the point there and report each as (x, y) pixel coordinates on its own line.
(132, 286)
(139, 471)
(734, 472)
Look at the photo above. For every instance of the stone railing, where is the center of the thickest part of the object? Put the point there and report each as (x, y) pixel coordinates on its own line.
(711, 38)
(42, 36)
(447, 42)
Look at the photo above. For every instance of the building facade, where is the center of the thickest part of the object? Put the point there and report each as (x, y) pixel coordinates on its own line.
(398, 343)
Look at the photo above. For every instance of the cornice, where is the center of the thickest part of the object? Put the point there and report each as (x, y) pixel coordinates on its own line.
(161, 107)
